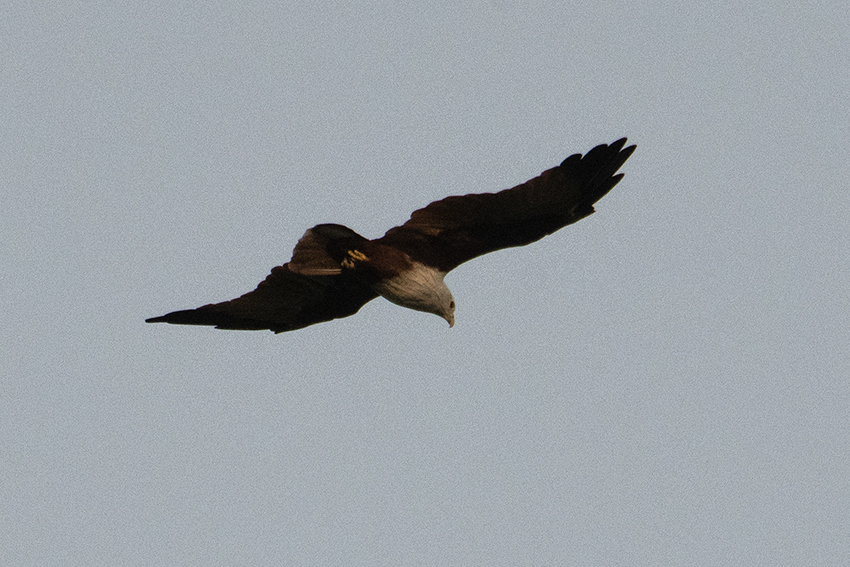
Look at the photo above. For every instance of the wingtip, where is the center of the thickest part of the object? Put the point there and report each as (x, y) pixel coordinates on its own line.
(621, 143)
(628, 150)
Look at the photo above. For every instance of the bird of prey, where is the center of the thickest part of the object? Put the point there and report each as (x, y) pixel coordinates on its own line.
(334, 271)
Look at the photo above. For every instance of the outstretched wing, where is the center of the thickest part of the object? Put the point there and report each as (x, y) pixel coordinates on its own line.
(449, 232)
(284, 301)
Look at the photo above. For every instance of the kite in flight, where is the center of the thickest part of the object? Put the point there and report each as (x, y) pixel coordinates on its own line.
(334, 271)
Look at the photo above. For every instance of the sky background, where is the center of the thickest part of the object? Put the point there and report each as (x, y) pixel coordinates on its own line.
(663, 383)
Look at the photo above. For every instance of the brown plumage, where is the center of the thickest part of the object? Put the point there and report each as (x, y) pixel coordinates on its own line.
(334, 271)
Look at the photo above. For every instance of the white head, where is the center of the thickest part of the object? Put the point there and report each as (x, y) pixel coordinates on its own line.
(438, 301)
(421, 288)
(447, 310)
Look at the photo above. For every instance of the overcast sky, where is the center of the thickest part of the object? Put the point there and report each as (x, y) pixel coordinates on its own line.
(663, 383)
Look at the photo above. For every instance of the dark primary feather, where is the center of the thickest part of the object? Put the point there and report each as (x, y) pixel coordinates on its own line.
(284, 301)
(451, 231)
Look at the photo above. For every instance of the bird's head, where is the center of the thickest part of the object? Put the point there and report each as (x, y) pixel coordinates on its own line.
(448, 313)
(440, 301)
(421, 288)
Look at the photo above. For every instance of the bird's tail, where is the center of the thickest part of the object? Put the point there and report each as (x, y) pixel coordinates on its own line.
(322, 250)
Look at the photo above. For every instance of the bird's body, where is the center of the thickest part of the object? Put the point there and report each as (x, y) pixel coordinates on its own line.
(334, 271)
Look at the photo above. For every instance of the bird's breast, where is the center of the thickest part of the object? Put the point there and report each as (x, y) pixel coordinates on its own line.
(419, 287)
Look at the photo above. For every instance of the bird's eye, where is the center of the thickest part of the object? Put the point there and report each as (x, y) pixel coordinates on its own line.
(452, 305)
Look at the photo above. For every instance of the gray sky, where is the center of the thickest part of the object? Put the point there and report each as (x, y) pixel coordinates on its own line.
(663, 383)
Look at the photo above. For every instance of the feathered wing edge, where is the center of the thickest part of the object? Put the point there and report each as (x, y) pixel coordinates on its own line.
(284, 301)
(310, 288)
(453, 230)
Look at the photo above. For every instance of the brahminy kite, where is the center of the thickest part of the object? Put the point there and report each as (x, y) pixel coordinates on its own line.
(334, 271)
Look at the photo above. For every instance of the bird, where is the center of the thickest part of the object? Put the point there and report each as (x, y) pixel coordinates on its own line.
(334, 271)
